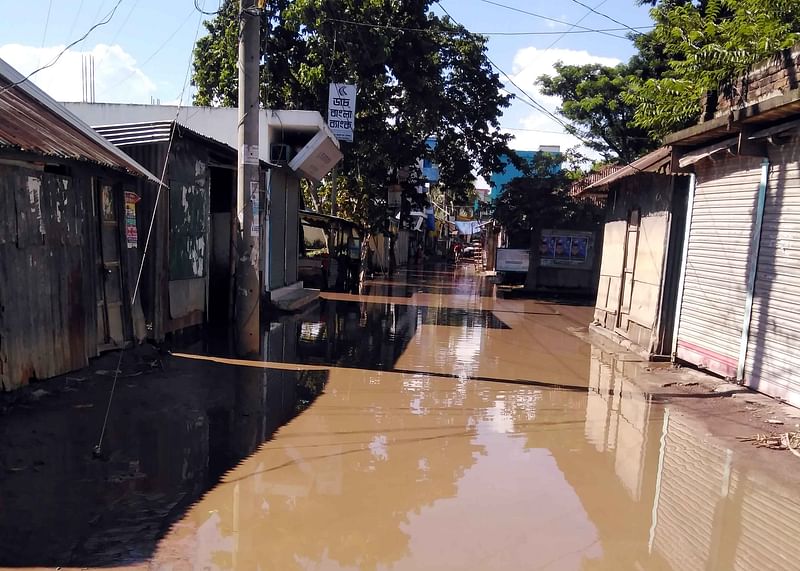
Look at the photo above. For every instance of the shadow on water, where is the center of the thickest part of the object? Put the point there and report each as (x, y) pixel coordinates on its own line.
(172, 434)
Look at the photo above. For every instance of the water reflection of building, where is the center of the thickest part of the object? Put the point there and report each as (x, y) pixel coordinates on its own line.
(670, 498)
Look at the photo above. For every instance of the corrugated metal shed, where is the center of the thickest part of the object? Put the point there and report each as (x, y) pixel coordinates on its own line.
(34, 122)
(129, 134)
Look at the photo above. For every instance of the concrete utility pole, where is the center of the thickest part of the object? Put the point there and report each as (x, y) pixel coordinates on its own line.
(248, 288)
(333, 192)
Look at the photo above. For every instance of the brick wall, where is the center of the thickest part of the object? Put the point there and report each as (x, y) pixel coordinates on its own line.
(770, 78)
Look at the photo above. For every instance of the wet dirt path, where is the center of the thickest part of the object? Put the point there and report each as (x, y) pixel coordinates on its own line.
(455, 430)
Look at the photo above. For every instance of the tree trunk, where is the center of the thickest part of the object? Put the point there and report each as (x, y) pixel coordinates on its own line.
(531, 279)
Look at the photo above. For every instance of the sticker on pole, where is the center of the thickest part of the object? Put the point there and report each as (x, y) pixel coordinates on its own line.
(342, 110)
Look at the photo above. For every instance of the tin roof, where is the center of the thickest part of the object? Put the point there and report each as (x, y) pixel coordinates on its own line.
(148, 132)
(651, 162)
(579, 186)
(34, 122)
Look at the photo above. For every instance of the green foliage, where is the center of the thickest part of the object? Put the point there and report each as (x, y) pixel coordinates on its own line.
(592, 101)
(430, 78)
(707, 45)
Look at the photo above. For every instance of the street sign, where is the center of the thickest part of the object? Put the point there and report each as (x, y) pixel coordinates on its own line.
(342, 110)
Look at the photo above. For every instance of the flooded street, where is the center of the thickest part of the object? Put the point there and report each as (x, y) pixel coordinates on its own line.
(423, 424)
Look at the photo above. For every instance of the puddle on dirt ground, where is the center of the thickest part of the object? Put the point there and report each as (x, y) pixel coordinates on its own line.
(454, 432)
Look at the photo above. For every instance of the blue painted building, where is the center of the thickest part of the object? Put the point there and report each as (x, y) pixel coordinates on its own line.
(510, 172)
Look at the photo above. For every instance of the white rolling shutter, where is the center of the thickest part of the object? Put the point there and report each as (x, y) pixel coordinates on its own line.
(717, 263)
(773, 352)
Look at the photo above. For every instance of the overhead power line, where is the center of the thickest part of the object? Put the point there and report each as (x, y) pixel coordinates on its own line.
(455, 32)
(569, 30)
(530, 101)
(606, 16)
(548, 18)
(206, 12)
(47, 22)
(53, 62)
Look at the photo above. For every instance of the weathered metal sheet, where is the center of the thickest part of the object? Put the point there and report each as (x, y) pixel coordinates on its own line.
(47, 309)
(773, 351)
(34, 122)
(717, 263)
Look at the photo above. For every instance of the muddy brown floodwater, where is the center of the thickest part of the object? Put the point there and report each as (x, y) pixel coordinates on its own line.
(454, 430)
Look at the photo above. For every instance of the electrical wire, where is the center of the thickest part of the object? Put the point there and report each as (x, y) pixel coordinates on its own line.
(75, 19)
(98, 449)
(53, 62)
(125, 21)
(606, 16)
(531, 102)
(548, 18)
(206, 12)
(158, 49)
(569, 30)
(47, 22)
(455, 32)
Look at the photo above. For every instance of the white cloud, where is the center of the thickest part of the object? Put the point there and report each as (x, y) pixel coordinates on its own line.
(529, 64)
(117, 77)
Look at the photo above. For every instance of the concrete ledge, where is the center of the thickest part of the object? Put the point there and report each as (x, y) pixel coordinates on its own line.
(293, 297)
(626, 344)
(284, 291)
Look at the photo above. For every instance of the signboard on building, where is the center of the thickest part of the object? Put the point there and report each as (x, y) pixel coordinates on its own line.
(566, 248)
(512, 260)
(342, 110)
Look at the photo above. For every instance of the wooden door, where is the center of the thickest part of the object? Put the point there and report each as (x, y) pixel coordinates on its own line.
(110, 328)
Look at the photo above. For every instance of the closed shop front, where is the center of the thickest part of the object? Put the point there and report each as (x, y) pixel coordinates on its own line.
(719, 254)
(773, 350)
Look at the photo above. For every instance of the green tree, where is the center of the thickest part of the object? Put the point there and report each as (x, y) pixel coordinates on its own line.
(417, 75)
(539, 200)
(591, 99)
(707, 45)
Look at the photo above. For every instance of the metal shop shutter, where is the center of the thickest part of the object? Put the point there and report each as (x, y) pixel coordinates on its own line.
(717, 261)
(773, 352)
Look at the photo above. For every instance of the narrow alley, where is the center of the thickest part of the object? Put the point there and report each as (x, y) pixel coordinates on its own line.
(425, 423)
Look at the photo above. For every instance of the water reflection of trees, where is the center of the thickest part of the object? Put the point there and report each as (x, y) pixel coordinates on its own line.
(341, 482)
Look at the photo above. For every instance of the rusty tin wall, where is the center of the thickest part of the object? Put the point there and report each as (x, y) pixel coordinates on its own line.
(175, 277)
(49, 278)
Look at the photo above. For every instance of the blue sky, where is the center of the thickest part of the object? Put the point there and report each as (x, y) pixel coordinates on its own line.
(145, 49)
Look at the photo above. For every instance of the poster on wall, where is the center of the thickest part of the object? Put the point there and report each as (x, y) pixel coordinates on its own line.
(565, 248)
(131, 231)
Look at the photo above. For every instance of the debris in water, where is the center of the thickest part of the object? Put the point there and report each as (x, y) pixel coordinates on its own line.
(39, 393)
(773, 421)
(782, 441)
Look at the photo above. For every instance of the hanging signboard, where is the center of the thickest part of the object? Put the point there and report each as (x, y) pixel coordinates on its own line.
(342, 110)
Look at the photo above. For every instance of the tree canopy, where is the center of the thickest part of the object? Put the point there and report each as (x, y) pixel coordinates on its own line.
(592, 100)
(695, 48)
(706, 46)
(417, 74)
